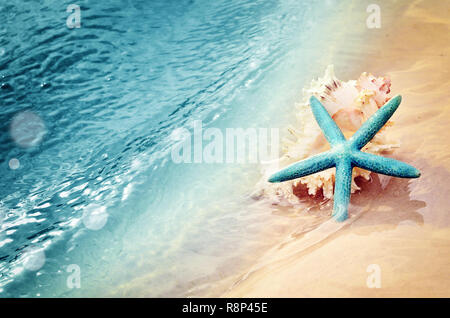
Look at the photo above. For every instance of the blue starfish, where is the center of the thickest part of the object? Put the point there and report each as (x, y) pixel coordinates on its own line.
(346, 154)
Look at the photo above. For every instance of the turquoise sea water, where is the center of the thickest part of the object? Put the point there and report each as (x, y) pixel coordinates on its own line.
(87, 117)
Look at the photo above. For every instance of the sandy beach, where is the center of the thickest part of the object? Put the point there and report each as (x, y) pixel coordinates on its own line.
(399, 226)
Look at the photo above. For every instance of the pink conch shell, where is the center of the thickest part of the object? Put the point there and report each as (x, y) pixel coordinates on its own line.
(349, 119)
(350, 104)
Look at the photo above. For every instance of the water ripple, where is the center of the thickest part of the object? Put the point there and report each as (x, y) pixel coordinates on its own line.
(110, 94)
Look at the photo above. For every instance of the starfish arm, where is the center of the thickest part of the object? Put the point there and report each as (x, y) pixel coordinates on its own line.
(372, 125)
(342, 189)
(305, 167)
(387, 166)
(327, 124)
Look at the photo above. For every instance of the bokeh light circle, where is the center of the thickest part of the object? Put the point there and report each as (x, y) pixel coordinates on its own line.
(34, 259)
(94, 216)
(14, 164)
(27, 129)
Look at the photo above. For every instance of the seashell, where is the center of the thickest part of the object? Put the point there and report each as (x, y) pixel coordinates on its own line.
(349, 103)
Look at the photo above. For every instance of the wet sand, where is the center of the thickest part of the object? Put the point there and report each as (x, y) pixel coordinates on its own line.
(400, 226)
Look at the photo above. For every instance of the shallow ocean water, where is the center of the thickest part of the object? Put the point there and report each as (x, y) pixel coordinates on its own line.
(87, 121)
